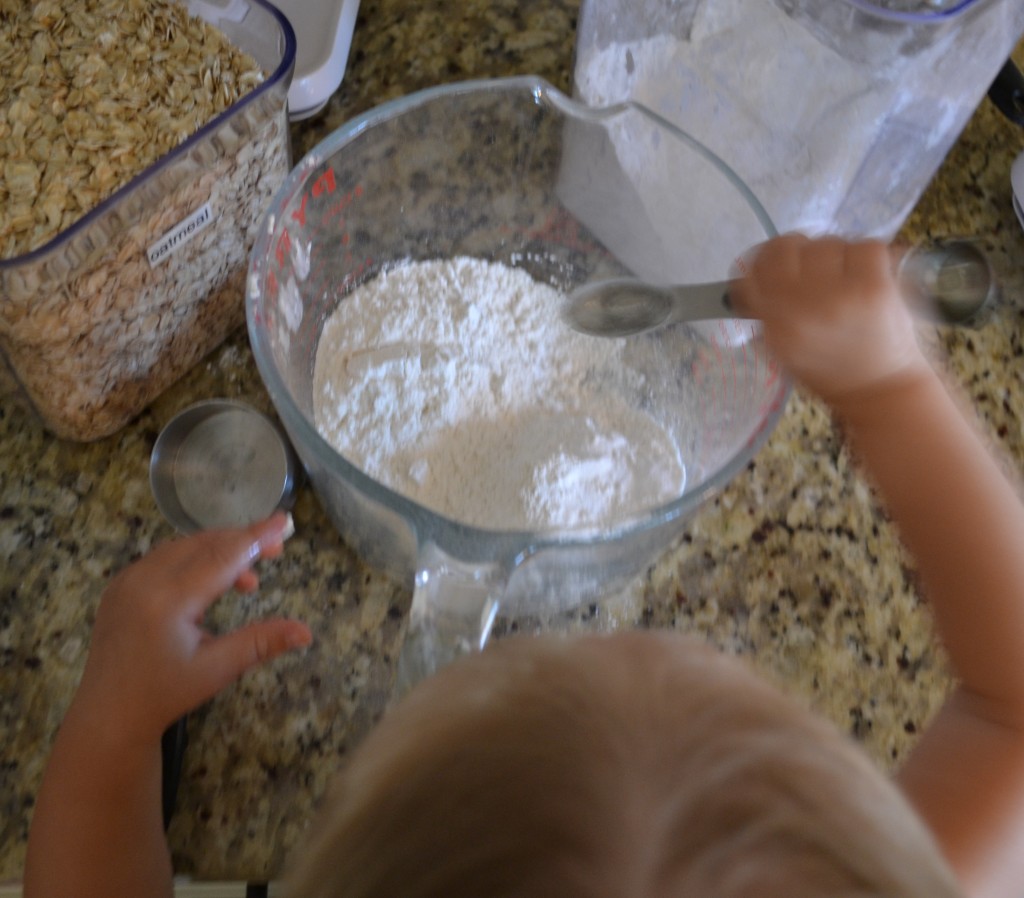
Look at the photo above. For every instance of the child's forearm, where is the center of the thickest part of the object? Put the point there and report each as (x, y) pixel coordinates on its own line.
(97, 829)
(962, 520)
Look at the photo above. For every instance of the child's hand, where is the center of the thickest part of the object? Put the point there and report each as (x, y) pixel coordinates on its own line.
(832, 313)
(150, 659)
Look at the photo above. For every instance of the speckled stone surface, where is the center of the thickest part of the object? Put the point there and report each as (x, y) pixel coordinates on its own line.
(794, 566)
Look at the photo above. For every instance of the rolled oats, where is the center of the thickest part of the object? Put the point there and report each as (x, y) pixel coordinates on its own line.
(92, 325)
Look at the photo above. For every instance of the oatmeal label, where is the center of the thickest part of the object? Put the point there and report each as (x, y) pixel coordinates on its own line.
(174, 239)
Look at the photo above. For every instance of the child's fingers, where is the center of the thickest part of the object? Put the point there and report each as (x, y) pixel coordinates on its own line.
(247, 581)
(216, 560)
(209, 557)
(822, 262)
(771, 269)
(867, 261)
(223, 660)
(778, 263)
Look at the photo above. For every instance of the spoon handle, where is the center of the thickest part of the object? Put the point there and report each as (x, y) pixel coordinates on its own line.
(947, 282)
(701, 302)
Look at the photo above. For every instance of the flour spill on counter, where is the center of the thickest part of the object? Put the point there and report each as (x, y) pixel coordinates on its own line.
(455, 383)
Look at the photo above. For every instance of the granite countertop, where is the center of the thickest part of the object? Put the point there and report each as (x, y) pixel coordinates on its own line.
(794, 566)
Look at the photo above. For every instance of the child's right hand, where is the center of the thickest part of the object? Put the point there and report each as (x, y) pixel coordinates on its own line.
(832, 313)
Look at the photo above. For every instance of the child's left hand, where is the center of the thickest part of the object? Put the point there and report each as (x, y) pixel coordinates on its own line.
(150, 658)
(97, 829)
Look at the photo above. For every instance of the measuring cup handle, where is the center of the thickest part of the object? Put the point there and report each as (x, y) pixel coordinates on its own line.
(454, 605)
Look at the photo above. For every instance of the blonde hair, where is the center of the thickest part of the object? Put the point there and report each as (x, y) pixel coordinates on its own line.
(636, 764)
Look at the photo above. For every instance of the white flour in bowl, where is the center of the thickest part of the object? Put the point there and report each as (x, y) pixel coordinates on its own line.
(455, 383)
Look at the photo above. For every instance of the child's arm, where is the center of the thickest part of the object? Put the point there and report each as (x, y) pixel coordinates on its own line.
(97, 829)
(962, 520)
(833, 314)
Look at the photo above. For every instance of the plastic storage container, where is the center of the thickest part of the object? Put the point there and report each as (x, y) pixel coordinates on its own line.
(105, 316)
(836, 113)
(324, 35)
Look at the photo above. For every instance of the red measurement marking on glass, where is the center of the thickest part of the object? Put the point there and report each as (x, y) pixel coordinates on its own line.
(284, 244)
(697, 371)
(325, 184)
(341, 204)
(324, 187)
(742, 269)
(300, 214)
(730, 373)
(316, 274)
(711, 374)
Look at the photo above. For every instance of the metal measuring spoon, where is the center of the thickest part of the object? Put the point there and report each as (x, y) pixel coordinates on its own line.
(947, 282)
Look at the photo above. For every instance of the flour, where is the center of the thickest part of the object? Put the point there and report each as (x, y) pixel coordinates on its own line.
(455, 383)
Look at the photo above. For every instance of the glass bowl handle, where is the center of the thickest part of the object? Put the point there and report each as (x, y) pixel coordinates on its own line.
(454, 605)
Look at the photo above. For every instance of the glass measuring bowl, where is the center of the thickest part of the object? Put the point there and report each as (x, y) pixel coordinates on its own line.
(510, 171)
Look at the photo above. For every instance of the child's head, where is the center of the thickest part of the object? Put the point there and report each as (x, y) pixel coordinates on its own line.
(637, 764)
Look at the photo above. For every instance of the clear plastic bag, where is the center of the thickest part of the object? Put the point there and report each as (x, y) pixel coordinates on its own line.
(836, 113)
